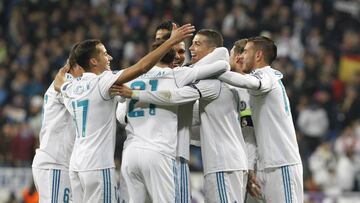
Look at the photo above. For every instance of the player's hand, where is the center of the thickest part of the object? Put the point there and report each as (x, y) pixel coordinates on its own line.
(60, 76)
(179, 34)
(253, 187)
(114, 90)
(120, 90)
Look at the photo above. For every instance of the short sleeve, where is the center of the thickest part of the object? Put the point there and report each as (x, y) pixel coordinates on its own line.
(209, 89)
(106, 80)
(265, 83)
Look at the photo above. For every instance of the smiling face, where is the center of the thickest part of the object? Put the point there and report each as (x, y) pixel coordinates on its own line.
(180, 54)
(199, 48)
(103, 58)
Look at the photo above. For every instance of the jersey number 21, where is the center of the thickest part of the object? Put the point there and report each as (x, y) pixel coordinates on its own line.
(141, 85)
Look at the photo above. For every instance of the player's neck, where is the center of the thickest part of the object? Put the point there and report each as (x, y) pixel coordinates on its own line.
(162, 65)
(260, 64)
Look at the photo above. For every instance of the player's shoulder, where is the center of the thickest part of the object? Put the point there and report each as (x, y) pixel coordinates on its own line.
(267, 73)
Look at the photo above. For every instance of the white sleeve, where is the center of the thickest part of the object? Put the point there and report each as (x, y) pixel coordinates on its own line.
(167, 97)
(106, 80)
(187, 75)
(220, 53)
(195, 129)
(121, 111)
(258, 82)
(251, 146)
(209, 89)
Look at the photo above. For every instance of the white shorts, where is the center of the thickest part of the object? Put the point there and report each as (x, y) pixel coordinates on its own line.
(225, 186)
(282, 184)
(148, 175)
(53, 185)
(94, 186)
(184, 180)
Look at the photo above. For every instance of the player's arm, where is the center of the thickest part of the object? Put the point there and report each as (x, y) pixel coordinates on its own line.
(213, 64)
(60, 78)
(121, 111)
(251, 147)
(203, 89)
(147, 62)
(261, 83)
(208, 70)
(195, 128)
(179, 96)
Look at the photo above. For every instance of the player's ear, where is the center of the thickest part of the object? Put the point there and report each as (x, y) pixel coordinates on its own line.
(93, 62)
(259, 55)
(237, 58)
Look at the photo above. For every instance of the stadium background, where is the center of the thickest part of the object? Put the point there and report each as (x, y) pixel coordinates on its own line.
(318, 52)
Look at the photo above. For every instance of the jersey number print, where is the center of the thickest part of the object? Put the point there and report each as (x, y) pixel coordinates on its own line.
(80, 109)
(141, 85)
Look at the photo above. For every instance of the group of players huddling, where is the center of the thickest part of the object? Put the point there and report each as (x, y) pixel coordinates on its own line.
(237, 100)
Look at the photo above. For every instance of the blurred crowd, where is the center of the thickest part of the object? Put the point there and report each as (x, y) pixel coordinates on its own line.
(312, 36)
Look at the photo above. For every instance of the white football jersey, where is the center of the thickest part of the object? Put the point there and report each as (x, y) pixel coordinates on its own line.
(151, 126)
(88, 100)
(184, 97)
(274, 128)
(185, 110)
(57, 133)
(222, 142)
(214, 63)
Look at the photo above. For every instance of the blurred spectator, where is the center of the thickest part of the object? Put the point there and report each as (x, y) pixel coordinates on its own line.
(12, 198)
(22, 146)
(313, 123)
(322, 164)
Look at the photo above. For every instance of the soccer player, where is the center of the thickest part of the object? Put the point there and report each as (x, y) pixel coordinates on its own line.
(182, 158)
(163, 32)
(88, 100)
(246, 123)
(279, 171)
(148, 164)
(51, 162)
(163, 29)
(224, 157)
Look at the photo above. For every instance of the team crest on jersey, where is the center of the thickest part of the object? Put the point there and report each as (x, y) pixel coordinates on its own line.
(79, 90)
(242, 105)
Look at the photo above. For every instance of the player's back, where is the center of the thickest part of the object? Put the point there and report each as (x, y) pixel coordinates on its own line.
(93, 110)
(222, 142)
(57, 133)
(150, 126)
(273, 124)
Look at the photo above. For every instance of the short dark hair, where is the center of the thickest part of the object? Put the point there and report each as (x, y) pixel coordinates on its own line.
(215, 39)
(85, 51)
(72, 59)
(166, 36)
(165, 25)
(240, 45)
(169, 57)
(267, 46)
